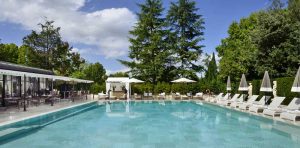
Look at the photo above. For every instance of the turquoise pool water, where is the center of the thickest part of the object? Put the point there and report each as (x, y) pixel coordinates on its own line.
(162, 125)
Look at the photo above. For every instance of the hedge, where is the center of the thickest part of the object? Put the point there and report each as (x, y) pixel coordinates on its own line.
(201, 86)
(284, 86)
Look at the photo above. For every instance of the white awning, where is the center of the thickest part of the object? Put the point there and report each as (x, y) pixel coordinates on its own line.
(35, 75)
(117, 79)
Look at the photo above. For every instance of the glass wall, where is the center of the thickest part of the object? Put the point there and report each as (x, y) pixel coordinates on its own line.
(1, 86)
(12, 86)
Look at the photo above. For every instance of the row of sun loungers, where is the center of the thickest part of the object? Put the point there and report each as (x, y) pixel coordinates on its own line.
(289, 112)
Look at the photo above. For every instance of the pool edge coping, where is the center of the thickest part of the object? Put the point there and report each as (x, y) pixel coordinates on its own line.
(44, 113)
(257, 114)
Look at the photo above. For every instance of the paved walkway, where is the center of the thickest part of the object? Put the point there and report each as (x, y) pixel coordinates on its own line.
(13, 113)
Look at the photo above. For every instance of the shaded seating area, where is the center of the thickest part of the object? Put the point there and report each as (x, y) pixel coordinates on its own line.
(23, 86)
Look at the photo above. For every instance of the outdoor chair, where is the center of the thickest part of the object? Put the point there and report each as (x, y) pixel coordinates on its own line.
(260, 108)
(294, 105)
(239, 101)
(213, 98)
(161, 96)
(198, 96)
(220, 99)
(227, 102)
(250, 101)
(176, 96)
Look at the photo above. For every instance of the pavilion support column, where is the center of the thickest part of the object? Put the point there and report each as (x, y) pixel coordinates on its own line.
(24, 96)
(11, 86)
(86, 88)
(20, 85)
(39, 87)
(3, 91)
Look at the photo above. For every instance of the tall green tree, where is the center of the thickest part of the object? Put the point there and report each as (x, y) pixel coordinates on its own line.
(212, 69)
(44, 42)
(186, 27)
(266, 40)
(9, 52)
(238, 51)
(95, 72)
(22, 55)
(46, 49)
(277, 39)
(119, 74)
(148, 49)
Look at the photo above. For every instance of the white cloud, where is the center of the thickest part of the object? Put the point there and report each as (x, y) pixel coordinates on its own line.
(106, 29)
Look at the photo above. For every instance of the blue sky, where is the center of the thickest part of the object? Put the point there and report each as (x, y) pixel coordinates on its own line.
(98, 29)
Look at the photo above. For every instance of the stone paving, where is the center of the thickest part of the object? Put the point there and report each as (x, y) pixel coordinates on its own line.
(13, 113)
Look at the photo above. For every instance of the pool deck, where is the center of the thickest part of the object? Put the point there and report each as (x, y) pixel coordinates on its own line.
(277, 118)
(13, 114)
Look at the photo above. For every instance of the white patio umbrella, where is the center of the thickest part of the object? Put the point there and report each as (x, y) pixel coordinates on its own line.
(183, 80)
(134, 80)
(266, 85)
(243, 87)
(296, 84)
(243, 84)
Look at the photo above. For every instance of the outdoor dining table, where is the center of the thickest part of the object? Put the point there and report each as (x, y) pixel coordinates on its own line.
(14, 100)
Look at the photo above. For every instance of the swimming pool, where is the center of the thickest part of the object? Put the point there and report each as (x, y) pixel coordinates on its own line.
(160, 124)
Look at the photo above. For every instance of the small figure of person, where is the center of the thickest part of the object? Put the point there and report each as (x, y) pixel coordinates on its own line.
(125, 92)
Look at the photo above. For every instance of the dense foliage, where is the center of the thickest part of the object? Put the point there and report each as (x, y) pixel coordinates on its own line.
(165, 48)
(266, 40)
(186, 30)
(148, 49)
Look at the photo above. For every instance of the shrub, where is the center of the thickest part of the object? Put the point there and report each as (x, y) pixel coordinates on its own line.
(97, 88)
(162, 87)
(284, 86)
(255, 87)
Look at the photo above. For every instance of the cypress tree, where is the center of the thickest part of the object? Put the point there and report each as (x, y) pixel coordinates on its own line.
(212, 70)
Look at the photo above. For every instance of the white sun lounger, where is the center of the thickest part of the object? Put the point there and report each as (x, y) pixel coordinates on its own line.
(227, 102)
(250, 101)
(219, 96)
(293, 105)
(274, 104)
(238, 101)
(292, 111)
(291, 115)
(224, 98)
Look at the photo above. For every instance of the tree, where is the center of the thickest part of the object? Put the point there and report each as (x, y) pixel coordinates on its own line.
(46, 49)
(44, 43)
(22, 55)
(277, 39)
(212, 70)
(238, 51)
(119, 74)
(266, 40)
(9, 52)
(294, 10)
(276, 5)
(186, 27)
(148, 44)
(95, 72)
